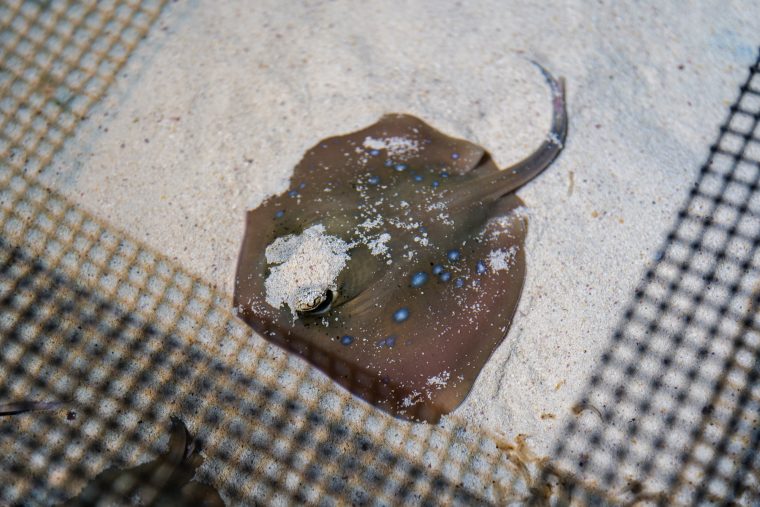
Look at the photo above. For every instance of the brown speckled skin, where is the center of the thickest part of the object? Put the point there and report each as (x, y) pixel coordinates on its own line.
(443, 335)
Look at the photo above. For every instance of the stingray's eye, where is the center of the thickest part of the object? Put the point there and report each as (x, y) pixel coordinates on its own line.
(312, 303)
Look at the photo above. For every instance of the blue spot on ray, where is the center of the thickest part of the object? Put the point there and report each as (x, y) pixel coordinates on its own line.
(347, 339)
(419, 279)
(401, 314)
(445, 276)
(480, 267)
(417, 177)
(373, 180)
(279, 213)
(458, 283)
(401, 167)
(437, 269)
(387, 342)
(453, 255)
(374, 153)
(435, 184)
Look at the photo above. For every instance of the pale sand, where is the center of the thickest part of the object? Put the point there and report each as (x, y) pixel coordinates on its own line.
(223, 98)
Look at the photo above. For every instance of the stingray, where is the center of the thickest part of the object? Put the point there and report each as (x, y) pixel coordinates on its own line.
(395, 260)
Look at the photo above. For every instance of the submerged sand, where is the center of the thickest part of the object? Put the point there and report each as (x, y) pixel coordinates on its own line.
(220, 102)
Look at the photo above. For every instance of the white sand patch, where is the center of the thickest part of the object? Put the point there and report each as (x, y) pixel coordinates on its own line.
(379, 245)
(502, 259)
(400, 224)
(309, 264)
(398, 147)
(443, 216)
(439, 380)
(412, 399)
(504, 224)
(372, 223)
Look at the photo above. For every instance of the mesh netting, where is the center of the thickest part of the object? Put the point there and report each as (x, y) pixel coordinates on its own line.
(675, 404)
(124, 338)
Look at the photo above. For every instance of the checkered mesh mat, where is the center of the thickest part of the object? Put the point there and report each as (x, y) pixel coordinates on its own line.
(125, 338)
(675, 404)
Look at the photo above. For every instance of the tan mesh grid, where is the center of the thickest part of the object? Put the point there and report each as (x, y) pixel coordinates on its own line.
(126, 338)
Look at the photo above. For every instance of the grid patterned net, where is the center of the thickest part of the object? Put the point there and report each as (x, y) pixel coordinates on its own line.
(125, 338)
(675, 404)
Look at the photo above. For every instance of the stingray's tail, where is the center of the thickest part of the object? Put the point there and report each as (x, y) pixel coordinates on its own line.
(493, 185)
(514, 177)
